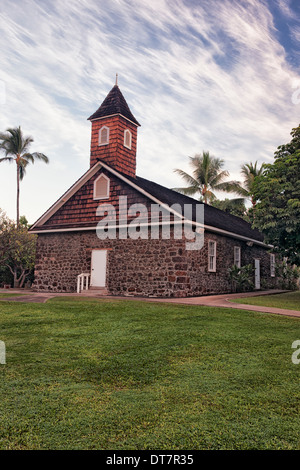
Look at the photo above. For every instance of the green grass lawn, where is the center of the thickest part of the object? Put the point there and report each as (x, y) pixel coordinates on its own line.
(289, 300)
(135, 375)
(3, 295)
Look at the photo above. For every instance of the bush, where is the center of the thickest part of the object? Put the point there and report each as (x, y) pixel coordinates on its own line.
(241, 278)
(289, 275)
(5, 276)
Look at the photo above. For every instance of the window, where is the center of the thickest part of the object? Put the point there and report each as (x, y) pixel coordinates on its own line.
(101, 187)
(127, 139)
(237, 256)
(212, 255)
(272, 264)
(103, 136)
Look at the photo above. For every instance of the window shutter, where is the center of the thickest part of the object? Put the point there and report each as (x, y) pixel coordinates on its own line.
(212, 256)
(237, 256)
(272, 264)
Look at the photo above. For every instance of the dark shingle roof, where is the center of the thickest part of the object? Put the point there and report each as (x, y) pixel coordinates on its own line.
(114, 103)
(212, 216)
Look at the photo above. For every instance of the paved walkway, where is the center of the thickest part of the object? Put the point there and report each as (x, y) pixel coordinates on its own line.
(223, 300)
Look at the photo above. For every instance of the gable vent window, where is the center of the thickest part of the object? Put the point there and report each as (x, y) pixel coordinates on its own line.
(101, 187)
(103, 136)
(127, 139)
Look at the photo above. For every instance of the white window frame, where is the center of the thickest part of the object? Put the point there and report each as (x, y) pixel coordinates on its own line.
(212, 256)
(127, 133)
(237, 256)
(272, 264)
(106, 195)
(101, 141)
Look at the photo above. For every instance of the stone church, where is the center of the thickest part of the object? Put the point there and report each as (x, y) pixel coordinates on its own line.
(122, 234)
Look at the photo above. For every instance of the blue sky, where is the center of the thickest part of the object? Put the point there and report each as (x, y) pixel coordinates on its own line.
(217, 75)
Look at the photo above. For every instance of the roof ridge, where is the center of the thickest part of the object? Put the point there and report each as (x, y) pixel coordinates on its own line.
(114, 103)
(210, 211)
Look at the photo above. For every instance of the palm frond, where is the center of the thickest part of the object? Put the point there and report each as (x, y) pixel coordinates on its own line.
(27, 157)
(38, 156)
(22, 167)
(207, 175)
(218, 177)
(231, 187)
(189, 191)
(237, 201)
(22, 172)
(15, 147)
(188, 178)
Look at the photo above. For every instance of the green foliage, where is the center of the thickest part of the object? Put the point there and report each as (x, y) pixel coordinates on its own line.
(241, 278)
(288, 275)
(277, 213)
(15, 147)
(250, 172)
(230, 206)
(17, 251)
(207, 176)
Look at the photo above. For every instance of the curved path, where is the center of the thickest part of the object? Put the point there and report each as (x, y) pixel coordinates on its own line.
(225, 300)
(222, 300)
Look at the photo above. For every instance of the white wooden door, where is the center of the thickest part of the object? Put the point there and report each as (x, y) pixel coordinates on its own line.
(98, 269)
(257, 274)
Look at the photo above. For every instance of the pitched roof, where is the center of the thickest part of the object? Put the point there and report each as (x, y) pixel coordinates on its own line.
(114, 103)
(214, 219)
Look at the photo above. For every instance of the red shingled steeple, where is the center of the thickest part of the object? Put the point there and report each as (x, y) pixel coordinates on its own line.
(114, 134)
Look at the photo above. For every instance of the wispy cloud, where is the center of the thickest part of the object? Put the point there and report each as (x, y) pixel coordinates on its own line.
(195, 77)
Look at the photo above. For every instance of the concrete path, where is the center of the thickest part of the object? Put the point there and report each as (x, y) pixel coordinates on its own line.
(223, 300)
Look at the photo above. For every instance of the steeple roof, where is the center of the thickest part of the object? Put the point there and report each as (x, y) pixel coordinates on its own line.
(114, 103)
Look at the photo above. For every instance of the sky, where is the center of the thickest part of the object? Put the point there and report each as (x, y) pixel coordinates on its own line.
(199, 75)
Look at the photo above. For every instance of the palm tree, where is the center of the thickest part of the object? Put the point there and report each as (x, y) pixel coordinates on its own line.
(15, 146)
(249, 171)
(207, 176)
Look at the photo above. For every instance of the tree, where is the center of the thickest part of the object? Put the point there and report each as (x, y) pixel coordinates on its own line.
(230, 206)
(277, 191)
(249, 171)
(241, 278)
(207, 176)
(17, 249)
(15, 146)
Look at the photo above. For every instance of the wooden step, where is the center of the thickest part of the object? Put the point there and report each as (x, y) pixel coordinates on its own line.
(94, 291)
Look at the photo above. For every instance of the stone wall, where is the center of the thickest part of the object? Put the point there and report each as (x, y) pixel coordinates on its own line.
(204, 282)
(162, 268)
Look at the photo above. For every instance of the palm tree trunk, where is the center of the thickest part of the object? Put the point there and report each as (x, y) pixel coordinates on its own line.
(204, 190)
(18, 194)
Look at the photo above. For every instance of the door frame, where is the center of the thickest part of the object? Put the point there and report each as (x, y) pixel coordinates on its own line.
(257, 273)
(102, 268)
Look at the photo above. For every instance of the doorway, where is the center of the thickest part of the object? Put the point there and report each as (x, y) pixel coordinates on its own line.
(257, 273)
(98, 268)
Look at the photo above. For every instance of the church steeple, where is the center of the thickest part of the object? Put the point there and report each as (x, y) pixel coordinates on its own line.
(114, 133)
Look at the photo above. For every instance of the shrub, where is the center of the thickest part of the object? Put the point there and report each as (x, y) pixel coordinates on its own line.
(241, 278)
(289, 275)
